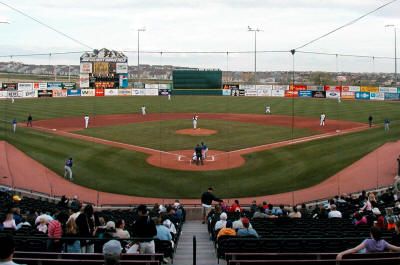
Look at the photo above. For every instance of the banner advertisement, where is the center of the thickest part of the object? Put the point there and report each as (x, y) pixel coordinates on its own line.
(278, 93)
(15, 94)
(104, 84)
(110, 92)
(59, 93)
(246, 86)
(69, 85)
(123, 80)
(377, 96)
(41, 86)
(362, 95)
(226, 92)
(250, 92)
(369, 89)
(151, 92)
(45, 93)
(388, 89)
(264, 92)
(3, 94)
(151, 86)
(9, 86)
(348, 95)
(30, 94)
(99, 92)
(166, 91)
(297, 87)
(398, 90)
(269, 87)
(138, 85)
(84, 80)
(165, 86)
(332, 94)
(87, 92)
(237, 92)
(137, 92)
(230, 86)
(392, 96)
(318, 94)
(125, 92)
(73, 92)
(305, 94)
(122, 68)
(25, 86)
(280, 87)
(332, 88)
(54, 85)
(315, 88)
(86, 68)
(291, 94)
(100, 68)
(354, 88)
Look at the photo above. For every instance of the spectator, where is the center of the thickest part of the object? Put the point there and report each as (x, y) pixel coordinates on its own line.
(170, 225)
(396, 235)
(359, 219)
(71, 230)
(17, 215)
(120, 231)
(7, 249)
(146, 229)
(227, 230)
(85, 223)
(54, 232)
(76, 204)
(269, 210)
(163, 232)
(281, 212)
(246, 231)
(206, 201)
(9, 222)
(371, 245)
(112, 252)
(253, 207)
(379, 219)
(235, 207)
(304, 212)
(63, 203)
(264, 205)
(260, 213)
(391, 215)
(334, 213)
(238, 223)
(222, 222)
(295, 213)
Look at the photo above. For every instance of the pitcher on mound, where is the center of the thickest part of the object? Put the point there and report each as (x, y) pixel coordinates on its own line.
(195, 118)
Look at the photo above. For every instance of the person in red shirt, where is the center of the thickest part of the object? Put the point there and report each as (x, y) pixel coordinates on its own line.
(235, 207)
(54, 232)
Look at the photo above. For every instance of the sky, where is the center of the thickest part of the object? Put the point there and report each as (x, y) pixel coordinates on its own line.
(205, 25)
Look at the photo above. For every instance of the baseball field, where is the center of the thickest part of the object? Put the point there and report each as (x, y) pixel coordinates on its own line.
(251, 153)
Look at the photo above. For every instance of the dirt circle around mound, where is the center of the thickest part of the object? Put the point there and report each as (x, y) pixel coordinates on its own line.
(182, 160)
(196, 132)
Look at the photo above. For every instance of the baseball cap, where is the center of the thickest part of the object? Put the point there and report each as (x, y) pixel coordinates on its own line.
(112, 247)
(110, 225)
(245, 220)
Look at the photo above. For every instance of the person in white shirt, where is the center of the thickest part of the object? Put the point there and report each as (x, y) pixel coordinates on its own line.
(322, 119)
(169, 96)
(334, 213)
(222, 222)
(7, 250)
(195, 118)
(267, 109)
(143, 110)
(119, 230)
(86, 118)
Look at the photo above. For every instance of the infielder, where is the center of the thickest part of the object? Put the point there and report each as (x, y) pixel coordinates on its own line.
(12, 99)
(195, 118)
(86, 118)
(267, 109)
(322, 119)
(143, 108)
(68, 168)
(14, 125)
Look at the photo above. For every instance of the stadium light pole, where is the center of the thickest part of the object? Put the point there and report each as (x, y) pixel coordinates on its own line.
(138, 54)
(395, 49)
(255, 52)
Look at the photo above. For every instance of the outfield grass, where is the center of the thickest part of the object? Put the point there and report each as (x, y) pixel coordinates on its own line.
(160, 135)
(115, 170)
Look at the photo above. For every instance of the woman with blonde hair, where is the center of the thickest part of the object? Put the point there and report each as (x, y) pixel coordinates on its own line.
(73, 245)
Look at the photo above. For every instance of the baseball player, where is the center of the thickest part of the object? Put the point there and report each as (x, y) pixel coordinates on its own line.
(86, 118)
(322, 119)
(169, 96)
(199, 157)
(204, 150)
(339, 100)
(267, 109)
(195, 118)
(12, 99)
(68, 168)
(14, 125)
(29, 122)
(143, 108)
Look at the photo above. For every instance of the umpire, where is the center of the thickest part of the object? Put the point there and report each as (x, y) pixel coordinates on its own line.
(199, 156)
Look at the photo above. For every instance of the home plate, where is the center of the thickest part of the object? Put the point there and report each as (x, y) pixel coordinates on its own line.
(337, 131)
(54, 129)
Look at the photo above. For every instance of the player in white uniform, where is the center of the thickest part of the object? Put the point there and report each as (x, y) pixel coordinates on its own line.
(12, 99)
(195, 118)
(169, 96)
(86, 118)
(143, 110)
(339, 100)
(322, 119)
(267, 109)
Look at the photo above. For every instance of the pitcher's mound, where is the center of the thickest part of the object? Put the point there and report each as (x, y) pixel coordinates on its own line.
(196, 132)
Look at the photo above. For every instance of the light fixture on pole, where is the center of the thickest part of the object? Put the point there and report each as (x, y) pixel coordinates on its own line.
(138, 51)
(395, 50)
(255, 52)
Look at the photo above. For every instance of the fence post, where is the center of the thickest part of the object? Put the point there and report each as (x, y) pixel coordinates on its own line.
(194, 250)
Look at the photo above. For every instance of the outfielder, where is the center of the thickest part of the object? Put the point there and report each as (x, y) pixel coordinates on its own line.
(169, 96)
(68, 168)
(195, 118)
(86, 118)
(322, 119)
(14, 125)
(143, 110)
(267, 109)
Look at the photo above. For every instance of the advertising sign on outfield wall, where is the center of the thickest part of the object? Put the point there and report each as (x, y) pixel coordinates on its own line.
(87, 92)
(264, 92)
(319, 94)
(9, 86)
(84, 80)
(165, 86)
(69, 85)
(377, 96)
(73, 92)
(3, 94)
(237, 92)
(100, 68)
(124, 92)
(277, 93)
(111, 92)
(332, 94)
(166, 92)
(137, 92)
(122, 68)
(105, 84)
(305, 94)
(348, 95)
(86, 68)
(332, 88)
(230, 86)
(30, 94)
(315, 88)
(225, 92)
(392, 96)
(281, 87)
(250, 92)
(59, 93)
(25, 86)
(362, 95)
(388, 89)
(297, 87)
(398, 90)
(15, 94)
(45, 93)
(151, 86)
(41, 86)
(99, 92)
(54, 85)
(354, 88)
(123, 80)
(369, 89)
(246, 86)
(291, 94)
(151, 92)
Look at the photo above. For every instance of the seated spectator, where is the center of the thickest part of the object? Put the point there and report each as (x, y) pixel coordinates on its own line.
(371, 245)
(221, 223)
(71, 231)
(246, 230)
(396, 235)
(269, 210)
(253, 207)
(120, 231)
(227, 230)
(54, 233)
(260, 213)
(163, 232)
(280, 212)
(320, 212)
(238, 223)
(235, 207)
(359, 219)
(295, 213)
(9, 222)
(264, 205)
(63, 203)
(155, 211)
(112, 252)
(24, 223)
(390, 226)
(168, 224)
(379, 220)
(76, 205)
(391, 215)
(7, 249)
(334, 213)
(42, 227)
(145, 228)
(304, 211)
(17, 215)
